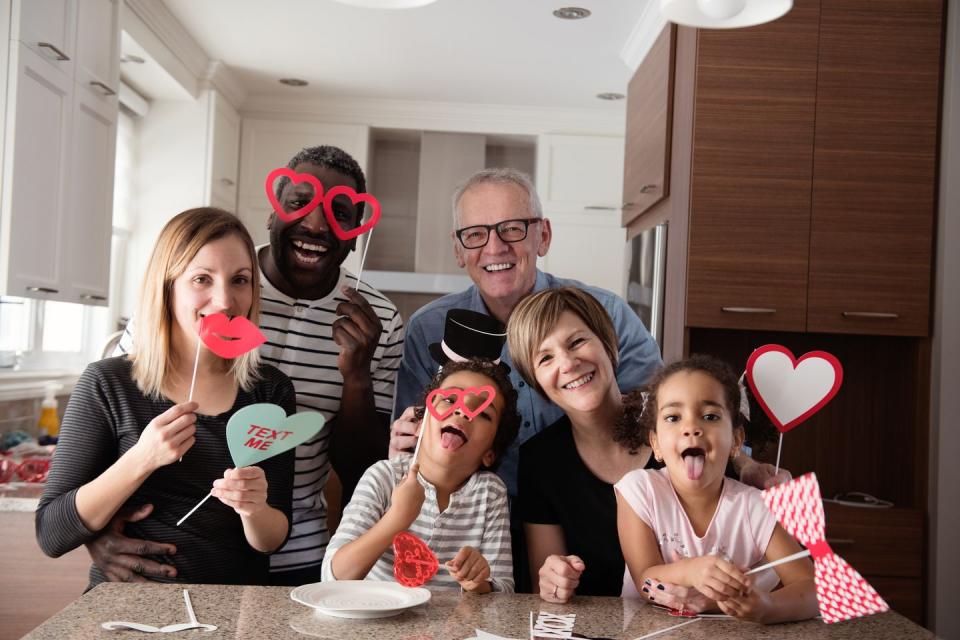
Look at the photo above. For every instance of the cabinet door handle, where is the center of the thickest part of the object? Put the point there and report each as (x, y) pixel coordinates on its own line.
(870, 314)
(92, 296)
(107, 91)
(755, 310)
(43, 290)
(60, 54)
(599, 207)
(647, 188)
(228, 182)
(627, 205)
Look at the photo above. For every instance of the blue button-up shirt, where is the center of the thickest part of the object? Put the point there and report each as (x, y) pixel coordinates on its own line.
(639, 359)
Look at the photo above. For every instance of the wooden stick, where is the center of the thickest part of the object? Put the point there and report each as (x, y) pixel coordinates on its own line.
(363, 258)
(416, 450)
(783, 560)
(668, 629)
(779, 447)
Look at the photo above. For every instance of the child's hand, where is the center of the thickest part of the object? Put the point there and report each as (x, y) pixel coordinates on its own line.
(470, 569)
(752, 606)
(717, 578)
(675, 596)
(167, 437)
(244, 489)
(407, 499)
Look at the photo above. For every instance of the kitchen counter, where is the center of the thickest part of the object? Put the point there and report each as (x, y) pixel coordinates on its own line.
(268, 612)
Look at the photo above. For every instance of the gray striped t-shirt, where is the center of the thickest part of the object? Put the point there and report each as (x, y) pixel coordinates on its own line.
(477, 516)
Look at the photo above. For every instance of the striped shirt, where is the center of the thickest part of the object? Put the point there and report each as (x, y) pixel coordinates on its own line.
(476, 516)
(300, 343)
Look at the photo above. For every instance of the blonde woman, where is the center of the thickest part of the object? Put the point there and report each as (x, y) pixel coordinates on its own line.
(130, 437)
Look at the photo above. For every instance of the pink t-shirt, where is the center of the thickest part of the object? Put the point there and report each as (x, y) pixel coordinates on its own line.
(740, 530)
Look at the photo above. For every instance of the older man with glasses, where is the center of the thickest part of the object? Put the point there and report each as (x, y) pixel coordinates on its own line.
(499, 233)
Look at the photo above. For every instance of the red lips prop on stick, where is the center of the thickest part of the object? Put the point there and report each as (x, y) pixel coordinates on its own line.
(413, 562)
(842, 593)
(230, 338)
(789, 389)
(459, 396)
(290, 216)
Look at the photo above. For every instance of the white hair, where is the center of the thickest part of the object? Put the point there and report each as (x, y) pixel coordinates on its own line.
(502, 175)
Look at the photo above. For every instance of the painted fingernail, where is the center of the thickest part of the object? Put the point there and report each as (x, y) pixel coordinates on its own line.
(651, 597)
(647, 582)
(645, 590)
(661, 587)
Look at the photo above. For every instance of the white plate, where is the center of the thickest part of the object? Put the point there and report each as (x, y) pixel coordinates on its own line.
(359, 598)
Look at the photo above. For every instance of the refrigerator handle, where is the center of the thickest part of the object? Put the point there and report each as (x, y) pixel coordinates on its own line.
(659, 282)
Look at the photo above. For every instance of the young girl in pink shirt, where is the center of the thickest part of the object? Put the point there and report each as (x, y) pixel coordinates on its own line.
(687, 524)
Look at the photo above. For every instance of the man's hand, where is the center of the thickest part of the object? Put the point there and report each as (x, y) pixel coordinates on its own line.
(357, 333)
(471, 570)
(403, 433)
(559, 577)
(762, 475)
(675, 597)
(120, 558)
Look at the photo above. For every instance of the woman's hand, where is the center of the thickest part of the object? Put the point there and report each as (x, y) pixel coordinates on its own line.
(471, 570)
(243, 489)
(167, 437)
(559, 577)
(407, 500)
(717, 578)
(752, 606)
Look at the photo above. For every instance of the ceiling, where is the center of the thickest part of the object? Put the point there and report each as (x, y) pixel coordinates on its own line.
(504, 52)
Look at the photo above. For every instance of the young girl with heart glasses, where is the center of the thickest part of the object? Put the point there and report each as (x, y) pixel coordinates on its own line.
(689, 525)
(447, 496)
(131, 438)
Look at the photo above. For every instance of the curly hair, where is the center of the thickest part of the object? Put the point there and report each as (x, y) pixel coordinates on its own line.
(498, 374)
(330, 157)
(639, 417)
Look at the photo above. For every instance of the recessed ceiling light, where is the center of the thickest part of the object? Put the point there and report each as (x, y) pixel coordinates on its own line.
(611, 96)
(129, 57)
(294, 82)
(572, 13)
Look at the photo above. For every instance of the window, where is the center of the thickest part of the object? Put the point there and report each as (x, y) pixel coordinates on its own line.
(44, 334)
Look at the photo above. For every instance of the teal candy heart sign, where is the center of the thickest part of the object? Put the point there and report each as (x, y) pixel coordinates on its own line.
(261, 431)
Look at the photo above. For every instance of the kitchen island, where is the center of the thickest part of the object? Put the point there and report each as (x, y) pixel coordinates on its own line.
(268, 612)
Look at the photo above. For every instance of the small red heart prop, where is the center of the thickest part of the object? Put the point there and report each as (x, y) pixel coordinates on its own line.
(413, 562)
(354, 198)
(459, 403)
(246, 335)
(294, 177)
(790, 390)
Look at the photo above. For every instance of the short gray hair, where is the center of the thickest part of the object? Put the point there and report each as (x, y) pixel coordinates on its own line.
(501, 175)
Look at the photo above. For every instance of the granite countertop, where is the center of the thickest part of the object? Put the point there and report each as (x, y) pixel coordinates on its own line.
(268, 612)
(20, 496)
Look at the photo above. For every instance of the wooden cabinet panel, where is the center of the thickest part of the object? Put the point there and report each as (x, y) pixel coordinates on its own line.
(752, 167)
(875, 167)
(646, 164)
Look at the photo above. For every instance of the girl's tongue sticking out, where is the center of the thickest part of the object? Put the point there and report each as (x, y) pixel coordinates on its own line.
(693, 458)
(452, 438)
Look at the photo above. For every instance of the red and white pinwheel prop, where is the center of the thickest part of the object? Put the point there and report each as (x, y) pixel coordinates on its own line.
(841, 592)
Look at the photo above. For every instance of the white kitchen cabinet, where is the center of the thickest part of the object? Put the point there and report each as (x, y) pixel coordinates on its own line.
(48, 27)
(90, 189)
(32, 235)
(224, 152)
(58, 153)
(268, 144)
(580, 183)
(98, 46)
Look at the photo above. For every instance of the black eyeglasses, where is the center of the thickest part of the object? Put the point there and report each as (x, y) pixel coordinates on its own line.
(509, 231)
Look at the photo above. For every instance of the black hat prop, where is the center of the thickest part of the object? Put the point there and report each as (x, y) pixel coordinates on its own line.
(469, 334)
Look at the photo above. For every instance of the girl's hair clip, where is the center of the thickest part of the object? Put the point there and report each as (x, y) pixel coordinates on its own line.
(643, 406)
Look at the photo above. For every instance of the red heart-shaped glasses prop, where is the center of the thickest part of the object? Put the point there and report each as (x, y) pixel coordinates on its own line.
(354, 197)
(413, 562)
(294, 177)
(459, 402)
(789, 389)
(230, 338)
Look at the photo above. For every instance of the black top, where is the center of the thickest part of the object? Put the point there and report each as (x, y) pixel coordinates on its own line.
(556, 487)
(104, 419)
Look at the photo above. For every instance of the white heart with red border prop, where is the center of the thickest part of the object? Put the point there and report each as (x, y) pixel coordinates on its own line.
(789, 389)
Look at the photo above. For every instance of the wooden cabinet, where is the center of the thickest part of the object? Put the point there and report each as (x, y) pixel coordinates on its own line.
(58, 155)
(813, 171)
(646, 164)
(875, 159)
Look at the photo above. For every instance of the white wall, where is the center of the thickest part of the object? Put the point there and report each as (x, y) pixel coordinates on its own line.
(944, 502)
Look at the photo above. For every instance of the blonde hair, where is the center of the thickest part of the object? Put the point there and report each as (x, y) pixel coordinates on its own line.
(179, 242)
(537, 315)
